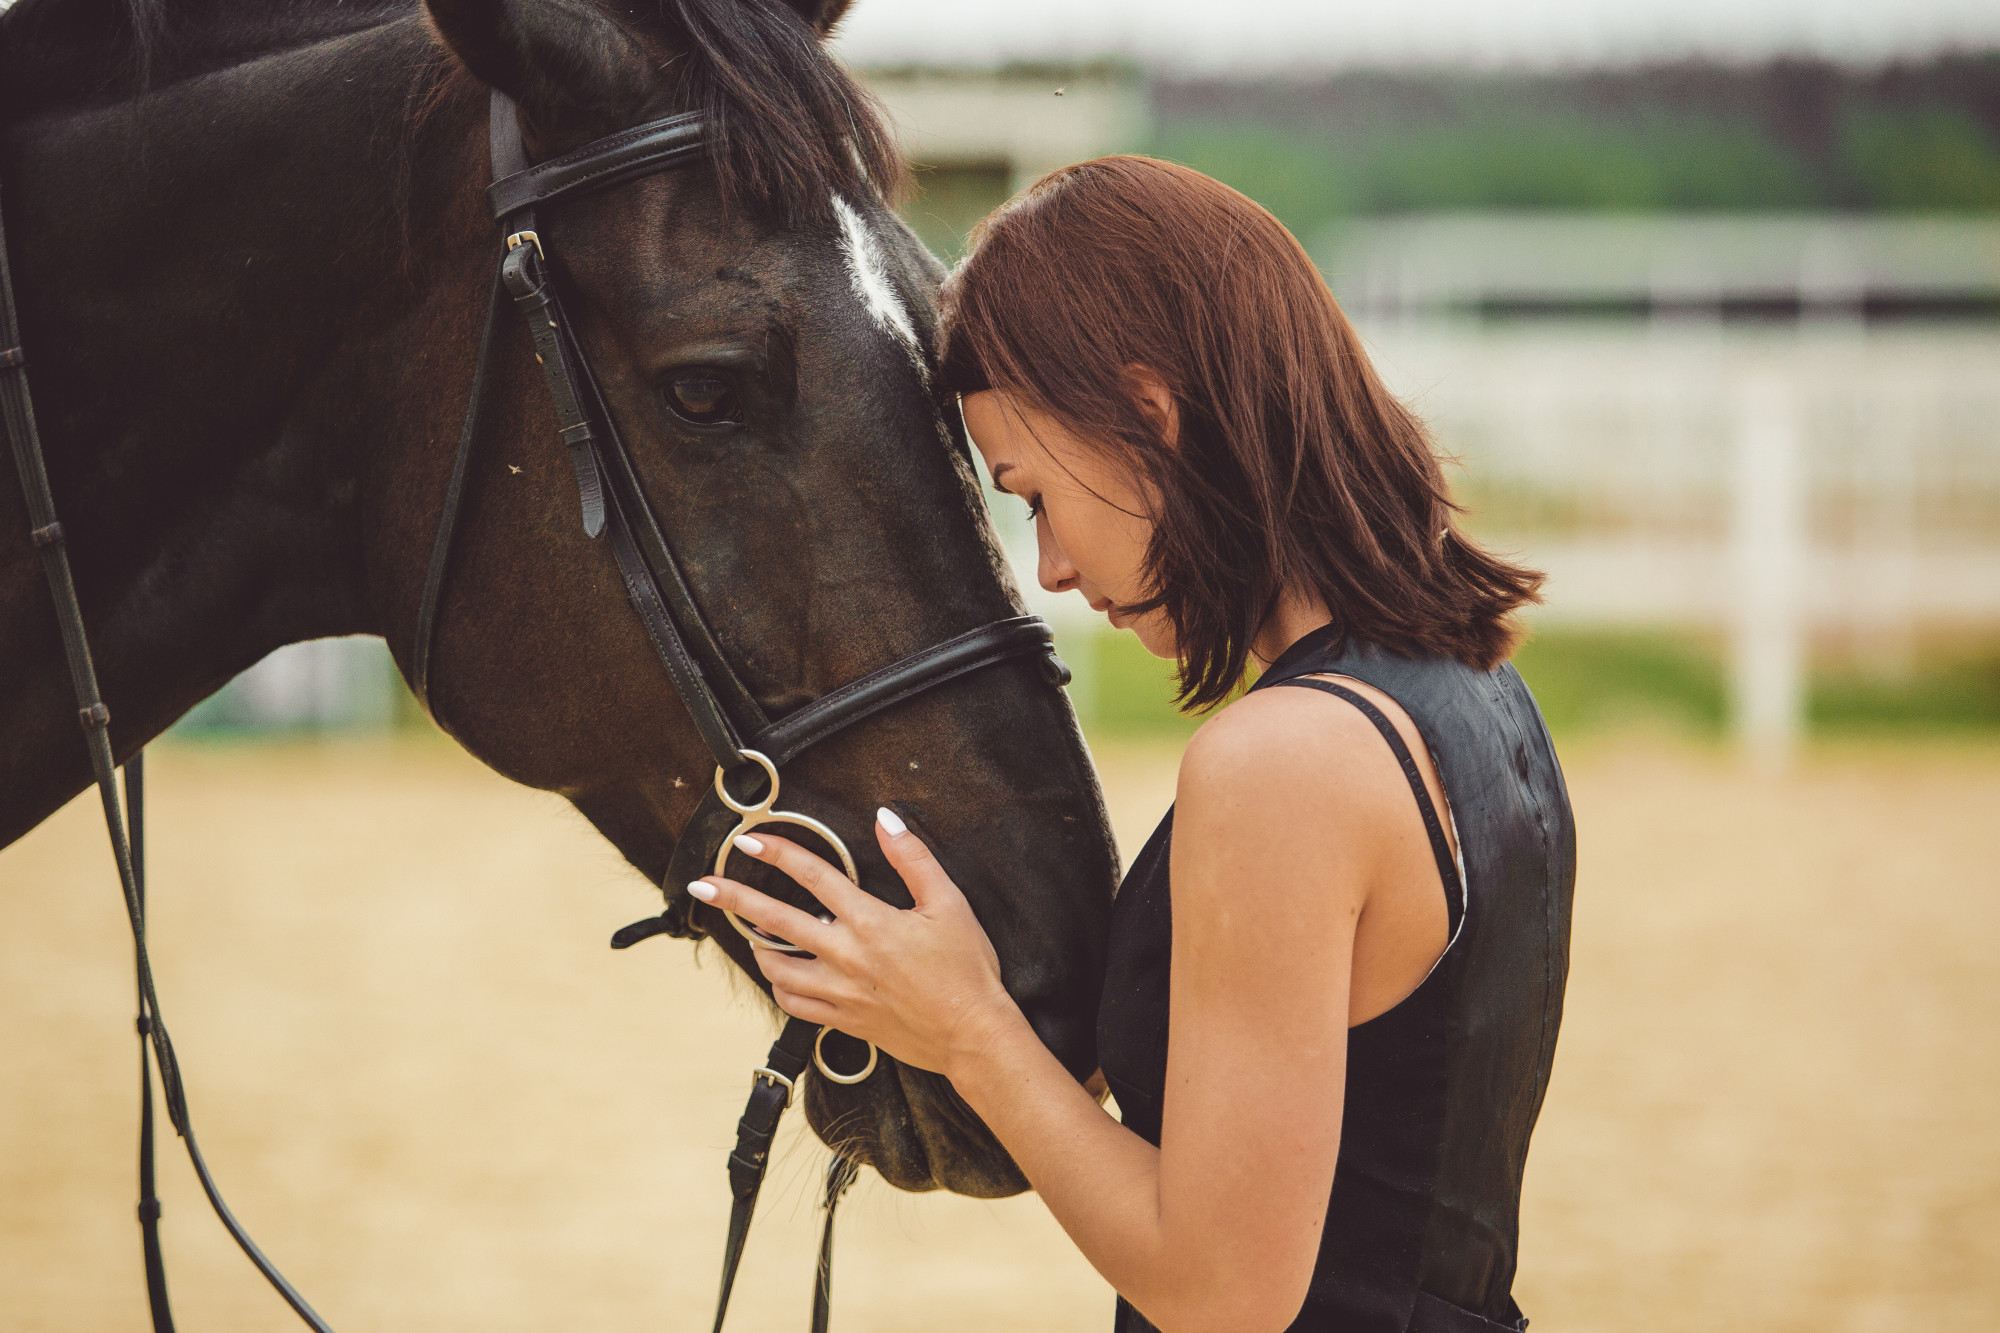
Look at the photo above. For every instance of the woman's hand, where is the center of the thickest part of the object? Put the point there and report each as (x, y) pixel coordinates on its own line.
(923, 984)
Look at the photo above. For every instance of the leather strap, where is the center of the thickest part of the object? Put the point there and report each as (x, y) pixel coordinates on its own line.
(698, 670)
(503, 137)
(755, 1132)
(1018, 636)
(730, 694)
(149, 1199)
(644, 150)
(723, 709)
(769, 1096)
(454, 500)
(521, 270)
(17, 415)
(643, 591)
(655, 587)
(840, 1174)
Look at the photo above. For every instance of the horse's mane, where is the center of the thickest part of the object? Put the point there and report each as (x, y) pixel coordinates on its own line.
(791, 126)
(78, 53)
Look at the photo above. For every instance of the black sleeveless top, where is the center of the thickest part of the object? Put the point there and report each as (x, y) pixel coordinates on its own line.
(1443, 1089)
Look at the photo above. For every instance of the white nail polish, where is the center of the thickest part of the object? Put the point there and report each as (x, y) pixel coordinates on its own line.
(746, 843)
(891, 821)
(702, 889)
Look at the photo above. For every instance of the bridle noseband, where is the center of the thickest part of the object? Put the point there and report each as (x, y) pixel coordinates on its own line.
(748, 746)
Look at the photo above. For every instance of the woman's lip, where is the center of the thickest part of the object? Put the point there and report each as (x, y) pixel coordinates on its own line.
(1106, 608)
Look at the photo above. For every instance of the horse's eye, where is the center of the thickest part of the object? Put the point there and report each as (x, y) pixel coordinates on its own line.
(703, 398)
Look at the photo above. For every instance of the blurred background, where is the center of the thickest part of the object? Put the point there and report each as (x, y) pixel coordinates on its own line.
(1701, 300)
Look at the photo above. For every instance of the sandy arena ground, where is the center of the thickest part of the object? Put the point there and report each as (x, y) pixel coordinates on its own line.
(441, 1103)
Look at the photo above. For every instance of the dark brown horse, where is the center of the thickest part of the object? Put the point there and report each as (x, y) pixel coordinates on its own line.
(253, 258)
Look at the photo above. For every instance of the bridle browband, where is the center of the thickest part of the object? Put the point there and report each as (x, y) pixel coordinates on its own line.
(743, 740)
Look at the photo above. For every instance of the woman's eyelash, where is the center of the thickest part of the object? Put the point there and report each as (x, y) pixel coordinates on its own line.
(1034, 509)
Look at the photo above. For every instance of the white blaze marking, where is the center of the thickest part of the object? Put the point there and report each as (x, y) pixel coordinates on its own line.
(870, 277)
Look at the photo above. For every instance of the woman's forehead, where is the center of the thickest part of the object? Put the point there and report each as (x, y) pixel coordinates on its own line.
(1017, 431)
(996, 428)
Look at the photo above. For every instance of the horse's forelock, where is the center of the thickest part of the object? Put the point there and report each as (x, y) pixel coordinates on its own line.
(792, 127)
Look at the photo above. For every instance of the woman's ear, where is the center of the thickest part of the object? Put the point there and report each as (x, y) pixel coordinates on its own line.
(1156, 402)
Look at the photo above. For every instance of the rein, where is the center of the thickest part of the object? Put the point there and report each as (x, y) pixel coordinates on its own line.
(747, 745)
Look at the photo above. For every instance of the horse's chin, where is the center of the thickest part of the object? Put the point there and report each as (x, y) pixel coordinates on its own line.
(915, 1131)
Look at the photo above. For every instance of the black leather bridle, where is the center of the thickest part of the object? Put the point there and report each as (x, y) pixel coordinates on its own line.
(744, 741)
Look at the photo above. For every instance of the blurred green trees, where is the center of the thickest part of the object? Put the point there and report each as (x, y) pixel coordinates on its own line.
(1929, 159)
(1612, 680)
(1791, 135)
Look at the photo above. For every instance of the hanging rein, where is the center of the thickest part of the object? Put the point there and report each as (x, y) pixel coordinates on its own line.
(750, 749)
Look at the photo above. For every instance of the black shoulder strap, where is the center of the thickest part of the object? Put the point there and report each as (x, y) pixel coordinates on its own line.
(1440, 846)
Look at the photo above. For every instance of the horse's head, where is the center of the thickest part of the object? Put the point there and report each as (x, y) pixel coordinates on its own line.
(763, 330)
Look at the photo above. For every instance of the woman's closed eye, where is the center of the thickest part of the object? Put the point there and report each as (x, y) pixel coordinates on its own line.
(1034, 507)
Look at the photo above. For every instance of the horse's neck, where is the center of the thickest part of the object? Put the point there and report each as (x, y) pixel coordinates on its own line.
(226, 289)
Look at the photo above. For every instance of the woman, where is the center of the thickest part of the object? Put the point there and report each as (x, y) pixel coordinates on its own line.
(1336, 970)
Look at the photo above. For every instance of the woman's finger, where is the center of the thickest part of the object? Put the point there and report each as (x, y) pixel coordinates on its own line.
(839, 893)
(929, 884)
(810, 1008)
(803, 976)
(763, 911)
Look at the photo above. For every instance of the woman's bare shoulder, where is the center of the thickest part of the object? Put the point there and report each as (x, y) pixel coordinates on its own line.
(1285, 740)
(1288, 759)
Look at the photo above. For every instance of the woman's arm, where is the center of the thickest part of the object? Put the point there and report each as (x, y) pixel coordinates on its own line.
(1277, 841)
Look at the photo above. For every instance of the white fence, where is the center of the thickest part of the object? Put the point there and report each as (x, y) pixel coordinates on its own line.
(1774, 483)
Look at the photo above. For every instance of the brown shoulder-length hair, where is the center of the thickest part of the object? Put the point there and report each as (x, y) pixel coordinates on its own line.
(1294, 467)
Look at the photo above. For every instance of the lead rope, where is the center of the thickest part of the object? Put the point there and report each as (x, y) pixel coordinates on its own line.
(770, 1094)
(772, 1088)
(47, 535)
(149, 1199)
(840, 1174)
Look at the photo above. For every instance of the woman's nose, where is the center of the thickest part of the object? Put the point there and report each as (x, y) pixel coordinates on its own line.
(1052, 569)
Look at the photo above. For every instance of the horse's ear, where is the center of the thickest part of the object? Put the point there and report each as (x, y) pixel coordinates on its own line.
(565, 62)
(822, 14)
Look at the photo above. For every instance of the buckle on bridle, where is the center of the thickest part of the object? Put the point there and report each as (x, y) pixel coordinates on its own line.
(775, 1079)
(521, 238)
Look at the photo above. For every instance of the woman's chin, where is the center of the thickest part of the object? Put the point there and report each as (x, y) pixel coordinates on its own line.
(1156, 637)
